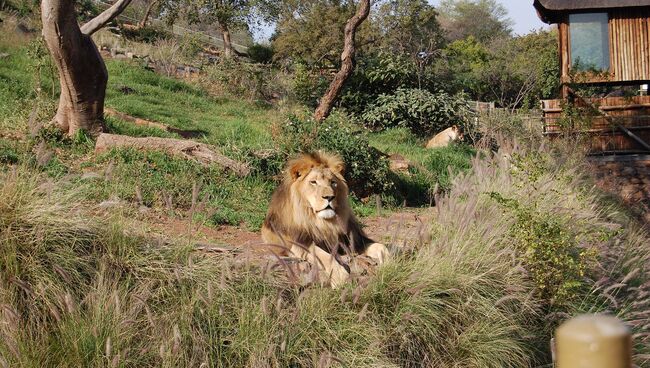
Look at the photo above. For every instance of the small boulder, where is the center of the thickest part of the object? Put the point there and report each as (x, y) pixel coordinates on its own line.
(398, 163)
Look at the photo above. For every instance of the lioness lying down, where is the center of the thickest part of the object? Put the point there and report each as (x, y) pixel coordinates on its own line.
(310, 216)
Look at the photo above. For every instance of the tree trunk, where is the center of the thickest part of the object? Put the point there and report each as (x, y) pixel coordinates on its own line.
(227, 44)
(147, 13)
(82, 72)
(347, 62)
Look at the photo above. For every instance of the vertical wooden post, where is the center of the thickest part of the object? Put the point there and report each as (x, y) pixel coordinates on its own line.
(593, 341)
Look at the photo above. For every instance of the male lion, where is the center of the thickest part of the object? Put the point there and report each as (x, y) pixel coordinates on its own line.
(310, 213)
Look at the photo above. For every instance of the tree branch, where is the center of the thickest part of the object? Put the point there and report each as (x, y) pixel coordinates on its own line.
(347, 62)
(106, 16)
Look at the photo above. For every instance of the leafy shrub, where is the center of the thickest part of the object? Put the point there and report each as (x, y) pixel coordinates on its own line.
(86, 10)
(423, 112)
(148, 34)
(548, 249)
(366, 169)
(8, 153)
(377, 74)
(244, 80)
(308, 86)
(260, 53)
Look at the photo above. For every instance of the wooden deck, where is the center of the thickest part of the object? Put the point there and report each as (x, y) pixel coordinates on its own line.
(599, 118)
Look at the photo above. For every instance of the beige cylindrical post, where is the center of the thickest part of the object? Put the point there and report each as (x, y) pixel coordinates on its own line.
(593, 341)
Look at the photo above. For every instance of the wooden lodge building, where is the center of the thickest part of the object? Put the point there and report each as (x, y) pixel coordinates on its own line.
(602, 43)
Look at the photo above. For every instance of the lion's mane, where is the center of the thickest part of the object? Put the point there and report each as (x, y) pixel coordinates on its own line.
(290, 221)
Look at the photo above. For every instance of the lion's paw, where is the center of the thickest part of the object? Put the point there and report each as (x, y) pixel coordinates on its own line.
(378, 252)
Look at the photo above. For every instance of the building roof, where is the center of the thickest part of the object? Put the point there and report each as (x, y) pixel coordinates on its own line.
(549, 10)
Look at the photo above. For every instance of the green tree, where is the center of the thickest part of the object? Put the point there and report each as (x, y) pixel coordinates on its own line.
(409, 27)
(523, 70)
(483, 19)
(229, 15)
(462, 66)
(513, 72)
(311, 31)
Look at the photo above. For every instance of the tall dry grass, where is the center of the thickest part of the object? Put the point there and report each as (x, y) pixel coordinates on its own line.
(79, 287)
(84, 291)
(551, 181)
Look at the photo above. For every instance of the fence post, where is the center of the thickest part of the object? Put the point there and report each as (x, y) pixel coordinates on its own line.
(593, 341)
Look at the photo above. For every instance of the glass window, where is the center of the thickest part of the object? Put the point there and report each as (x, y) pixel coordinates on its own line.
(589, 41)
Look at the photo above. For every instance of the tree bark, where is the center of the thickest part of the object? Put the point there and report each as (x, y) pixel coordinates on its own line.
(347, 62)
(82, 72)
(147, 13)
(227, 43)
(200, 152)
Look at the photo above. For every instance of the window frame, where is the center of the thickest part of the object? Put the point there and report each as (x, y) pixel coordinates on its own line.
(608, 54)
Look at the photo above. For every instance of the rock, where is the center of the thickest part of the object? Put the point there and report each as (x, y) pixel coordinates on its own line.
(112, 202)
(398, 163)
(628, 171)
(126, 90)
(91, 175)
(130, 55)
(627, 192)
(3, 55)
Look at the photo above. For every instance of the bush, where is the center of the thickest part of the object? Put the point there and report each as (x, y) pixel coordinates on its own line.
(86, 10)
(148, 34)
(379, 74)
(244, 80)
(308, 86)
(260, 53)
(366, 170)
(423, 112)
(549, 250)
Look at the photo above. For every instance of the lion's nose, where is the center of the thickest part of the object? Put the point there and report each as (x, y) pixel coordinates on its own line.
(329, 198)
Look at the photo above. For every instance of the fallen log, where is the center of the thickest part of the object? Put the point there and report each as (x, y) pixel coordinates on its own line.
(190, 150)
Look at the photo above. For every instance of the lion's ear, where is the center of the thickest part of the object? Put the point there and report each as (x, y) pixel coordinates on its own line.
(299, 169)
(338, 168)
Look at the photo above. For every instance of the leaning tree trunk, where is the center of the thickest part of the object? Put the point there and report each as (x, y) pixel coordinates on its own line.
(347, 62)
(227, 43)
(82, 72)
(147, 13)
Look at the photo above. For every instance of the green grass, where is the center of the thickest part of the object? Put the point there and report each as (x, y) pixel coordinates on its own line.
(235, 127)
(217, 121)
(431, 168)
(80, 287)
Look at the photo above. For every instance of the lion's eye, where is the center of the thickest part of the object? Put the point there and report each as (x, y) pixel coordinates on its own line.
(334, 184)
(313, 182)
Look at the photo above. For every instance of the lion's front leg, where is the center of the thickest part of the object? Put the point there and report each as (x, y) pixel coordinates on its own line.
(335, 274)
(378, 252)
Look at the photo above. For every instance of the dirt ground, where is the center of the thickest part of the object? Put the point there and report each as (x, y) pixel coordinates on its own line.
(407, 226)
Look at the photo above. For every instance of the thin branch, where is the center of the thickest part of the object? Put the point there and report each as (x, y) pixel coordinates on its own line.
(106, 16)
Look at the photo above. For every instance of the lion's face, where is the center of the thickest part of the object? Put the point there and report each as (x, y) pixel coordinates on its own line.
(319, 183)
(320, 189)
